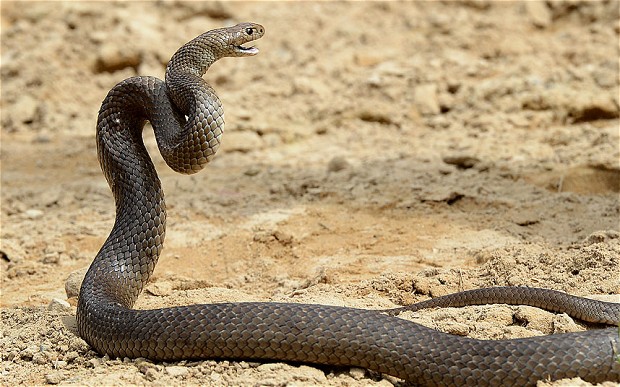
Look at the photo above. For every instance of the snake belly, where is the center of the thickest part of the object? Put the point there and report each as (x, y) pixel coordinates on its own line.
(187, 118)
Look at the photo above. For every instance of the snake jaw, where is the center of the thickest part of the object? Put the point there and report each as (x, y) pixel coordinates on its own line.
(246, 51)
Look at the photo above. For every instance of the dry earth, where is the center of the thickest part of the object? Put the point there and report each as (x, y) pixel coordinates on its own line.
(376, 154)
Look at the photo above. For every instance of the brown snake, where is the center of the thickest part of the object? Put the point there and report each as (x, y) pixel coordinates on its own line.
(187, 118)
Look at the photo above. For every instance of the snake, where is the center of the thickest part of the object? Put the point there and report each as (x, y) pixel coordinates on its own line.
(188, 121)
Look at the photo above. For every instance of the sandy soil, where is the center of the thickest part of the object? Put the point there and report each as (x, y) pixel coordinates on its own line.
(376, 154)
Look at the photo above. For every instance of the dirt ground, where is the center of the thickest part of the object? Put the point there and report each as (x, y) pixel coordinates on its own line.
(376, 154)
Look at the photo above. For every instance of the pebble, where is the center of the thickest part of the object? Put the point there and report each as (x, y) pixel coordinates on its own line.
(40, 358)
(59, 364)
(357, 373)
(55, 377)
(337, 164)
(113, 56)
(71, 356)
(160, 289)
(33, 214)
(311, 374)
(461, 161)
(74, 282)
(380, 113)
(426, 100)
(151, 374)
(12, 251)
(25, 109)
(58, 305)
(539, 13)
(455, 328)
(177, 371)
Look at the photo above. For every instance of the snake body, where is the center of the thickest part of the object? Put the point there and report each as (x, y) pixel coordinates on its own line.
(187, 118)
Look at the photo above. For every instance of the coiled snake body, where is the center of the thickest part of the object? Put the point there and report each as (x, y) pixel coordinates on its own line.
(188, 121)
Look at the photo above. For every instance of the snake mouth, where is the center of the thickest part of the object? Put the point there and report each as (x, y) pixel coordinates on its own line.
(246, 50)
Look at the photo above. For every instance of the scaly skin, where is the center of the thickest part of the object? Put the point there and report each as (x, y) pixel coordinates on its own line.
(291, 332)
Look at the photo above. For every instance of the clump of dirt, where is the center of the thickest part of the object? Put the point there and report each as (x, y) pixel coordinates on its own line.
(376, 154)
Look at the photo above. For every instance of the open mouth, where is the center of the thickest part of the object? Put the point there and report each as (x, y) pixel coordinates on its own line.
(247, 50)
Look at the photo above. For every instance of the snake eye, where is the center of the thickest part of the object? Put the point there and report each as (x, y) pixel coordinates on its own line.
(249, 31)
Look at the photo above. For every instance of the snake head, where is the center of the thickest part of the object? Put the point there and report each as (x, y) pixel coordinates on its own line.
(197, 55)
(240, 34)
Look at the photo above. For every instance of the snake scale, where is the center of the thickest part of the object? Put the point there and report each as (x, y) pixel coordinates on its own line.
(187, 118)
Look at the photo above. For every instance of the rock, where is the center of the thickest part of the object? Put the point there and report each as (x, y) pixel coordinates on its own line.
(112, 56)
(461, 161)
(357, 373)
(40, 358)
(160, 289)
(311, 374)
(177, 371)
(426, 100)
(456, 328)
(600, 237)
(33, 214)
(71, 356)
(55, 377)
(382, 113)
(74, 282)
(25, 110)
(337, 164)
(58, 305)
(11, 251)
(525, 217)
(596, 107)
(59, 364)
(93, 363)
(539, 13)
(242, 141)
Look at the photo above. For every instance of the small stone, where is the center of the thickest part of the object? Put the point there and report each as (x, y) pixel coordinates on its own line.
(380, 113)
(357, 373)
(600, 237)
(426, 100)
(40, 358)
(151, 374)
(112, 57)
(461, 161)
(28, 353)
(12, 251)
(92, 363)
(160, 289)
(177, 371)
(74, 282)
(455, 328)
(539, 13)
(337, 164)
(285, 239)
(33, 214)
(592, 107)
(71, 356)
(55, 377)
(310, 374)
(58, 305)
(525, 217)
(51, 259)
(59, 364)
(422, 285)
(25, 109)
